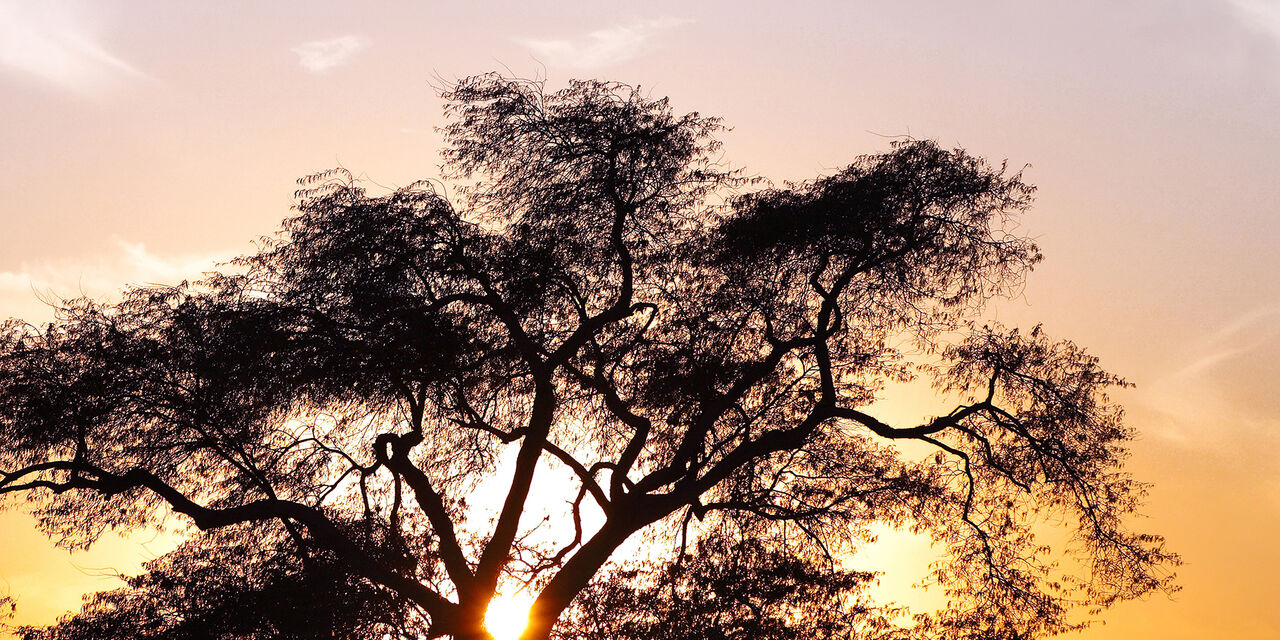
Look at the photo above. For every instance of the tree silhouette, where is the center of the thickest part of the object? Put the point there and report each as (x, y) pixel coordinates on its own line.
(237, 583)
(684, 363)
(732, 590)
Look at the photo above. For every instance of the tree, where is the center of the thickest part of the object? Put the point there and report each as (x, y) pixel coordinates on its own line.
(235, 584)
(684, 361)
(733, 590)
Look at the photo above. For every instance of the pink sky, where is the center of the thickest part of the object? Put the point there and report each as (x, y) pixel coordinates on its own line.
(144, 141)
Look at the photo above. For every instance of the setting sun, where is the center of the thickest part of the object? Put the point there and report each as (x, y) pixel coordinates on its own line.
(507, 616)
(699, 319)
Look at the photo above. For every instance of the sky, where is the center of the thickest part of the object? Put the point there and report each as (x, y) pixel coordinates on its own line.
(146, 141)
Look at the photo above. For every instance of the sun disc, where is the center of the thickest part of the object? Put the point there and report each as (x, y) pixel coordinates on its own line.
(507, 617)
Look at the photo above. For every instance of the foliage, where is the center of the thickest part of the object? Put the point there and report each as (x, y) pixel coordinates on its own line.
(606, 301)
(237, 585)
(732, 590)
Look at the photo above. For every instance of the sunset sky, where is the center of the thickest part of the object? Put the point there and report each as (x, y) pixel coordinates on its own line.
(144, 141)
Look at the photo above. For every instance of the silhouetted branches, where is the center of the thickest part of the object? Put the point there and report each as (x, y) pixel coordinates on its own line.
(601, 300)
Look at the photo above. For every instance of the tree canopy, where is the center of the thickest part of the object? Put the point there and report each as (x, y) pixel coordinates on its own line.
(640, 347)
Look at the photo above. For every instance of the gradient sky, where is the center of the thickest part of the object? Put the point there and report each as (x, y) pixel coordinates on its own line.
(143, 141)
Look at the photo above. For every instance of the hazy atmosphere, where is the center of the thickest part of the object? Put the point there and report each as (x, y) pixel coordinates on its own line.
(144, 142)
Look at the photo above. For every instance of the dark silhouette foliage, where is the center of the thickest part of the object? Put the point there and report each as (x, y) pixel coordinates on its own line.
(238, 584)
(736, 590)
(683, 360)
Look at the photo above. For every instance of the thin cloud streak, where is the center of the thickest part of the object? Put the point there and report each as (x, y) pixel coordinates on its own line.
(1201, 401)
(1239, 336)
(319, 56)
(51, 42)
(1259, 15)
(1245, 321)
(22, 292)
(601, 47)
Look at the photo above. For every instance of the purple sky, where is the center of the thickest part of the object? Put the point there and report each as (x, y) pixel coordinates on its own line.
(143, 141)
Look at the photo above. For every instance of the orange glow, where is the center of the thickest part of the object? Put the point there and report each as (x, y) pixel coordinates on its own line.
(142, 142)
(507, 616)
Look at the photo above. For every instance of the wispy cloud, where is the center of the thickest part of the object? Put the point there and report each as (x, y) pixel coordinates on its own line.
(319, 56)
(1239, 336)
(1259, 15)
(54, 42)
(601, 47)
(130, 263)
(1245, 321)
(1220, 394)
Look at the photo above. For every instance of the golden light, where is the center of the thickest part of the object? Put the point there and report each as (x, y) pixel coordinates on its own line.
(507, 616)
